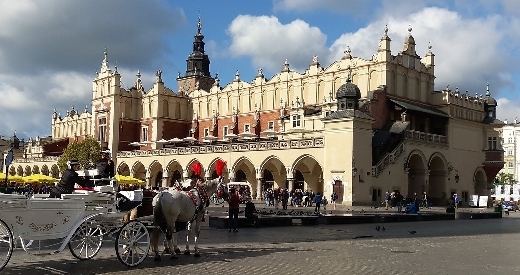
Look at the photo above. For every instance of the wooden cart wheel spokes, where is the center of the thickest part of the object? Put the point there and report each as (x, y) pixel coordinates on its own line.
(6, 244)
(132, 243)
(86, 241)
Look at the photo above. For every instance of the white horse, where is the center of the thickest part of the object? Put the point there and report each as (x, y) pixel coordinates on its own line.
(172, 206)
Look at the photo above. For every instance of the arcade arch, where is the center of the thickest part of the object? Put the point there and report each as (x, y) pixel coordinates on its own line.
(55, 171)
(480, 182)
(307, 169)
(437, 179)
(139, 171)
(45, 170)
(276, 175)
(174, 169)
(417, 174)
(123, 169)
(156, 174)
(27, 171)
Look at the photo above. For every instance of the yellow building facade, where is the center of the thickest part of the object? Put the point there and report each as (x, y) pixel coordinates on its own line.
(356, 127)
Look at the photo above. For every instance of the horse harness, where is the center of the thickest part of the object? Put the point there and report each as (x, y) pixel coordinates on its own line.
(204, 199)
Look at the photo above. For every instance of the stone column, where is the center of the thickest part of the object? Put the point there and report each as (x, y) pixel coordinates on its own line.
(291, 184)
(259, 189)
(165, 181)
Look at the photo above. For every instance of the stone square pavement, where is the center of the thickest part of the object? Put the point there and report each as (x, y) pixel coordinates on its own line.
(441, 247)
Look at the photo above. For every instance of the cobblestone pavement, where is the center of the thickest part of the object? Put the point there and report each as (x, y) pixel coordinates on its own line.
(443, 247)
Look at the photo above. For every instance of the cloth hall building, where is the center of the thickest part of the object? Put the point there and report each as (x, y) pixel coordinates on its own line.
(355, 127)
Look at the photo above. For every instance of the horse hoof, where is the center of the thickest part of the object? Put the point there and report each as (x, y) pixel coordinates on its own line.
(186, 252)
(197, 255)
(167, 250)
(157, 258)
(177, 251)
(174, 257)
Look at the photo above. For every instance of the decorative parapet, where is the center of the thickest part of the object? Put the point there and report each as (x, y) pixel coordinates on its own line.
(230, 147)
(425, 137)
(31, 160)
(387, 159)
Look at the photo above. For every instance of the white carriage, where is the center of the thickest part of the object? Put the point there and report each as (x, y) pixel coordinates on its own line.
(79, 221)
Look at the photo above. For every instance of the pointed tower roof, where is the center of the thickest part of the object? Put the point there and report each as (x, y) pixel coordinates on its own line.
(198, 62)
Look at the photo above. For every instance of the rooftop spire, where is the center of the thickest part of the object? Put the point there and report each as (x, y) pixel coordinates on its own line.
(487, 90)
(199, 25)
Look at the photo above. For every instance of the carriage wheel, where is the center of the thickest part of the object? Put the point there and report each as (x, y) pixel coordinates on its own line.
(132, 243)
(6, 244)
(86, 241)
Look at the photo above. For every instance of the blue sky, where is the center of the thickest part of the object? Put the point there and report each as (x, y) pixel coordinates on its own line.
(50, 50)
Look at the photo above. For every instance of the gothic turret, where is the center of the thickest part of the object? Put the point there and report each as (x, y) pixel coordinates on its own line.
(490, 105)
(348, 96)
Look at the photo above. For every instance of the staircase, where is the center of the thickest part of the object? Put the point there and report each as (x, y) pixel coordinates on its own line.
(389, 158)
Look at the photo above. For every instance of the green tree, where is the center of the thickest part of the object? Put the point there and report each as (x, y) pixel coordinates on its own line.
(86, 152)
(503, 178)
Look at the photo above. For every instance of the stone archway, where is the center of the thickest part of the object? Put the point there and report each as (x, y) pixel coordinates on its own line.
(480, 182)
(55, 171)
(156, 174)
(123, 169)
(312, 173)
(139, 171)
(277, 170)
(244, 171)
(299, 180)
(190, 170)
(27, 171)
(437, 180)
(174, 169)
(19, 171)
(212, 173)
(12, 170)
(417, 173)
(45, 170)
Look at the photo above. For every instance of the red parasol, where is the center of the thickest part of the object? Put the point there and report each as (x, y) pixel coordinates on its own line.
(219, 167)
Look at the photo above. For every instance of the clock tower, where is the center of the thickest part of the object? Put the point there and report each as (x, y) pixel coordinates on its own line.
(197, 74)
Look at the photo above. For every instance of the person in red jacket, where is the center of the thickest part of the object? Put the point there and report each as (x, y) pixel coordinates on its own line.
(233, 202)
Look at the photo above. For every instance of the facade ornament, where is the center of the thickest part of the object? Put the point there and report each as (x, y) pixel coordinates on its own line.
(234, 118)
(286, 66)
(260, 73)
(237, 76)
(217, 81)
(194, 123)
(347, 54)
(197, 85)
(257, 115)
(158, 78)
(214, 121)
(54, 114)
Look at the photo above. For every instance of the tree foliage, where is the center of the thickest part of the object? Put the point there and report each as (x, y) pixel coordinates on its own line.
(85, 151)
(503, 178)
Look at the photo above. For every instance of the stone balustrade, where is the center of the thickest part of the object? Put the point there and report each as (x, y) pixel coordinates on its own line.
(229, 147)
(425, 137)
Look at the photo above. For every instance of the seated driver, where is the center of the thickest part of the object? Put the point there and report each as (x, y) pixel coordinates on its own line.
(68, 179)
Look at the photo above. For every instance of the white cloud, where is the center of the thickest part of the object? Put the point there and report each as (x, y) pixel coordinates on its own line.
(269, 42)
(508, 109)
(51, 50)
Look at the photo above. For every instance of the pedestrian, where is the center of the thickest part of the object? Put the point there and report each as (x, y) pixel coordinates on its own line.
(456, 201)
(425, 200)
(333, 199)
(233, 210)
(388, 197)
(317, 200)
(324, 202)
(399, 201)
